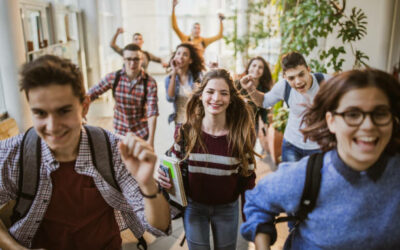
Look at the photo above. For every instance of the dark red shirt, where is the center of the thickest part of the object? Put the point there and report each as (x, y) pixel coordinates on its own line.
(77, 217)
(214, 177)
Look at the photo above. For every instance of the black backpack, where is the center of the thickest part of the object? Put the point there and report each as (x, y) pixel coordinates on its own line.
(30, 155)
(319, 76)
(146, 81)
(310, 191)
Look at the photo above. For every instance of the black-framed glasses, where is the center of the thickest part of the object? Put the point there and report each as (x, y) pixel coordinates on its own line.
(380, 116)
(132, 59)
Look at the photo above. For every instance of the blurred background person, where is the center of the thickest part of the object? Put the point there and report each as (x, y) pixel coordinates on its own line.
(200, 42)
(186, 66)
(138, 40)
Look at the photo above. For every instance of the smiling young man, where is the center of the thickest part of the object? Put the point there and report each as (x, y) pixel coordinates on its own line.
(74, 207)
(298, 88)
(135, 94)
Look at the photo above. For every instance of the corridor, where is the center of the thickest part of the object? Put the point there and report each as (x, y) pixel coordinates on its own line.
(164, 139)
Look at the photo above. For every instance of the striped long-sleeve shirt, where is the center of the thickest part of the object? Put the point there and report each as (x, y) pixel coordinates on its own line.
(214, 174)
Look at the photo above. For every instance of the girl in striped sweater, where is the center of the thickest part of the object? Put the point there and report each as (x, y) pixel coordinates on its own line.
(218, 148)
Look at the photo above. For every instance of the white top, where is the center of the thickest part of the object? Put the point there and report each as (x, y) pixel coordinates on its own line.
(181, 100)
(297, 104)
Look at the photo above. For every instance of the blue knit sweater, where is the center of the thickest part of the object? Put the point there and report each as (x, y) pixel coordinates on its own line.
(354, 210)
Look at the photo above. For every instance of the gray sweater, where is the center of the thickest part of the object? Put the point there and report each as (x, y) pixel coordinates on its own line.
(354, 210)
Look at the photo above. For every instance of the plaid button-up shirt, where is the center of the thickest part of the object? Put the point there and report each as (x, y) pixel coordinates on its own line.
(129, 113)
(128, 205)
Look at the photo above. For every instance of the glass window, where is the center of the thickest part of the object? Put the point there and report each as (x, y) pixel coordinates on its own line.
(61, 27)
(35, 26)
(34, 29)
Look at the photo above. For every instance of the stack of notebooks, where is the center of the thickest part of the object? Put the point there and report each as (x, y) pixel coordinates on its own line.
(171, 168)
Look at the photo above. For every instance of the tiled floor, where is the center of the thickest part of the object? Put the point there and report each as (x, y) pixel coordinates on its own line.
(164, 138)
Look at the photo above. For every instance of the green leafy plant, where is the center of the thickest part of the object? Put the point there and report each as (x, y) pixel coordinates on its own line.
(279, 119)
(301, 25)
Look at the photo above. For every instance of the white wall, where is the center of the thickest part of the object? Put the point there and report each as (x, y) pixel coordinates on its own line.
(376, 43)
(394, 50)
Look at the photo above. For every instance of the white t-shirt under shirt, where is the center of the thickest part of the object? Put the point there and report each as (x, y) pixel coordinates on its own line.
(297, 104)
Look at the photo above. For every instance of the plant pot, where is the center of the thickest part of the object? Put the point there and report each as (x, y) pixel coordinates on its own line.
(275, 139)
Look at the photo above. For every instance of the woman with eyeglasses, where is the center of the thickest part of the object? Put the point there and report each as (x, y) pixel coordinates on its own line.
(355, 120)
(186, 65)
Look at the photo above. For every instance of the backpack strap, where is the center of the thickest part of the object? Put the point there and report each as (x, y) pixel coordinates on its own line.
(116, 81)
(30, 155)
(320, 77)
(311, 190)
(287, 93)
(144, 99)
(313, 183)
(101, 154)
(28, 182)
(102, 160)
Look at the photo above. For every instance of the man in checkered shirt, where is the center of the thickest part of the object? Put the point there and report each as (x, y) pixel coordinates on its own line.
(74, 206)
(133, 111)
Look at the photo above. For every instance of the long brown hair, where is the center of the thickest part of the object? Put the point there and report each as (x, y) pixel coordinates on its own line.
(241, 136)
(266, 77)
(197, 65)
(328, 98)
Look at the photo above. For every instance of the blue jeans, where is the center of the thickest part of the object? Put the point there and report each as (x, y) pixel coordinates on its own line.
(292, 153)
(224, 221)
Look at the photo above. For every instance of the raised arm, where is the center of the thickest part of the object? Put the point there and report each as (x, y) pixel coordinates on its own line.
(208, 40)
(256, 96)
(104, 85)
(157, 59)
(6, 241)
(6, 206)
(154, 58)
(152, 121)
(152, 109)
(140, 159)
(113, 43)
(175, 27)
(170, 82)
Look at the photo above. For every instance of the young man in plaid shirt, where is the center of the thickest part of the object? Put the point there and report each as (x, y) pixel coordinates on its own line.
(133, 111)
(74, 207)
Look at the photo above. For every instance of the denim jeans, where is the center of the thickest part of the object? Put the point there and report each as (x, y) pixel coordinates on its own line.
(292, 153)
(224, 221)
